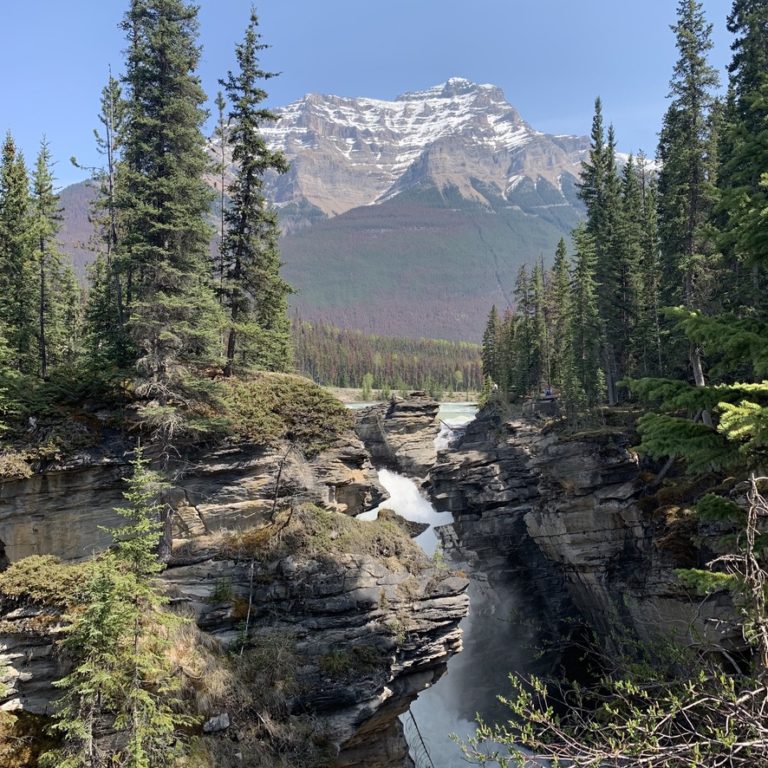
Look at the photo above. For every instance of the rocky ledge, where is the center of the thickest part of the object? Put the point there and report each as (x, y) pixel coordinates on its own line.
(352, 619)
(400, 435)
(574, 514)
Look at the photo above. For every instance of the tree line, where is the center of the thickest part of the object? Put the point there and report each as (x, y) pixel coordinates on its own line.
(685, 232)
(160, 308)
(343, 358)
(664, 303)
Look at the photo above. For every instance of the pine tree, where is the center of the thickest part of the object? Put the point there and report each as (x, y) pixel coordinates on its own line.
(600, 189)
(744, 148)
(628, 270)
(541, 331)
(45, 220)
(106, 312)
(560, 309)
(255, 295)
(163, 200)
(17, 260)
(122, 679)
(648, 342)
(525, 365)
(687, 178)
(585, 325)
(490, 346)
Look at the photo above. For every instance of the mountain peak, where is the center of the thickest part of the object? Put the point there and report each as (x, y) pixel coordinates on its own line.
(453, 87)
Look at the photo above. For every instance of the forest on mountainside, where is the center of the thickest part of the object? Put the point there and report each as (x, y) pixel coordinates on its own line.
(662, 311)
(343, 358)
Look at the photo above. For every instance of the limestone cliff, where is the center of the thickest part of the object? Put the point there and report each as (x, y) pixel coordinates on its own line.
(400, 435)
(574, 515)
(262, 551)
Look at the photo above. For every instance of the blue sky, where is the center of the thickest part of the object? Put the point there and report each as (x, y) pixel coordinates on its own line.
(551, 57)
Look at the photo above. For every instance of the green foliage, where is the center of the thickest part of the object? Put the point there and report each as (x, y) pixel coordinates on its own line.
(706, 582)
(701, 446)
(162, 198)
(45, 580)
(271, 407)
(253, 292)
(340, 357)
(118, 639)
(714, 508)
(366, 386)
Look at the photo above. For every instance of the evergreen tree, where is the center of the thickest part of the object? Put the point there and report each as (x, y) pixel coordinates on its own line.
(45, 220)
(628, 270)
(560, 309)
(541, 332)
(687, 178)
(163, 200)
(255, 295)
(122, 679)
(585, 325)
(600, 189)
(744, 148)
(648, 341)
(490, 347)
(107, 308)
(524, 368)
(17, 260)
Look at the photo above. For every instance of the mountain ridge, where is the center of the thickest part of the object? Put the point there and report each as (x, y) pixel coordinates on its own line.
(408, 216)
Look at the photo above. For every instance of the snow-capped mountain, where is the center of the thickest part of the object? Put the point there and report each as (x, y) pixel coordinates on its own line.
(349, 152)
(411, 216)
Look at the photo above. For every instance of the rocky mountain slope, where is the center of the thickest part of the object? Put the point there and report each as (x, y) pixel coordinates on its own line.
(411, 216)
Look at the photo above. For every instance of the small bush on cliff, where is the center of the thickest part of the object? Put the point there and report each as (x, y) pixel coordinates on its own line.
(272, 407)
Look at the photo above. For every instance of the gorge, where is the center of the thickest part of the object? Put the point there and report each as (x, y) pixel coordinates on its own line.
(546, 531)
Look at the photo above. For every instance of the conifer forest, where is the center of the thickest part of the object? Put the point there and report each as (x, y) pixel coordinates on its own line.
(204, 560)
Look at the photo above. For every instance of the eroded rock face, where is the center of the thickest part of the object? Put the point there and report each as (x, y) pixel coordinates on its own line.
(370, 631)
(565, 513)
(400, 435)
(60, 511)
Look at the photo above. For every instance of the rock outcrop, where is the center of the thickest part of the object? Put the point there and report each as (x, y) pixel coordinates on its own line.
(400, 435)
(369, 620)
(569, 513)
(61, 511)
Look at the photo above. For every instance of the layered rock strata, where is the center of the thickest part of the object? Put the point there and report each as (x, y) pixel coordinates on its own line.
(369, 628)
(572, 512)
(400, 435)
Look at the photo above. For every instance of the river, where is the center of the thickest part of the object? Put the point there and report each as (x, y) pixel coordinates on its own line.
(496, 642)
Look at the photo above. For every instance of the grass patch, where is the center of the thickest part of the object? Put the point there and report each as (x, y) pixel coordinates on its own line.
(349, 664)
(256, 690)
(315, 532)
(45, 580)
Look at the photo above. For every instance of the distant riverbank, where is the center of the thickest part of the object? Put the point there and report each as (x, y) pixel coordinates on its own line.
(355, 395)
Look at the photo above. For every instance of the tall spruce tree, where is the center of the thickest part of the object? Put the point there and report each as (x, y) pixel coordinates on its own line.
(744, 148)
(255, 294)
(162, 198)
(686, 187)
(560, 313)
(490, 346)
(628, 271)
(585, 324)
(600, 189)
(107, 308)
(648, 342)
(46, 216)
(17, 261)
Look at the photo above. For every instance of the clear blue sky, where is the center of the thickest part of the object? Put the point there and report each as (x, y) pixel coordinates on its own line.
(551, 57)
